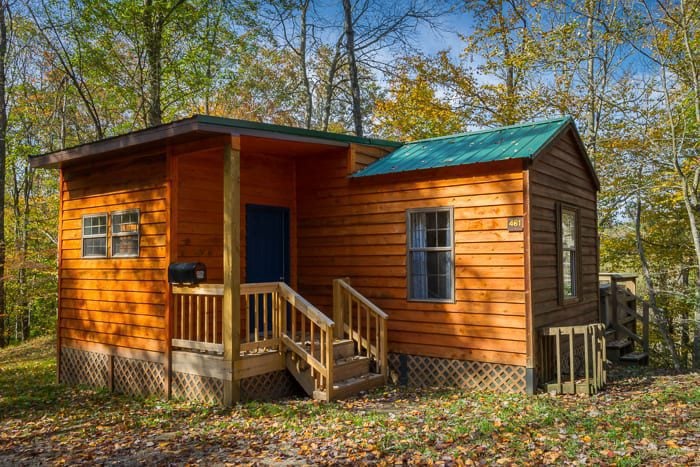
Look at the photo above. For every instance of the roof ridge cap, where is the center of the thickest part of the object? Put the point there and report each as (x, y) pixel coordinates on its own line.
(562, 119)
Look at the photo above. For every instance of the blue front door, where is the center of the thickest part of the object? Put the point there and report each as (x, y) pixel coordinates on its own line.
(267, 244)
(267, 250)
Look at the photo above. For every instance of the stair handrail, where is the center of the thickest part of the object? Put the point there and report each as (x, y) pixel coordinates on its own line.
(376, 346)
(322, 366)
(617, 286)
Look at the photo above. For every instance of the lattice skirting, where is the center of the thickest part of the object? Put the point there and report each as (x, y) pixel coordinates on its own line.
(134, 377)
(138, 377)
(81, 367)
(198, 388)
(420, 371)
(269, 386)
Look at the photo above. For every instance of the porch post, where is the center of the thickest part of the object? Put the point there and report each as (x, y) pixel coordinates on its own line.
(232, 264)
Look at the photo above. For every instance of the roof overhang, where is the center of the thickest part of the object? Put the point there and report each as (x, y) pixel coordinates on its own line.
(202, 125)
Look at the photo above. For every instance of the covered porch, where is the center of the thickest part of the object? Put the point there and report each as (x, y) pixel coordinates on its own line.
(247, 319)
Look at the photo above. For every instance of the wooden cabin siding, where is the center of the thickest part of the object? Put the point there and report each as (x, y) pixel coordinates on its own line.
(561, 175)
(200, 214)
(360, 156)
(357, 228)
(118, 302)
(265, 180)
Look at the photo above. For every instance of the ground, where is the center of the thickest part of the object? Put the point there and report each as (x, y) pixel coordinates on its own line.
(642, 417)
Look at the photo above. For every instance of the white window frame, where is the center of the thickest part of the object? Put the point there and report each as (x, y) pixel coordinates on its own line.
(574, 253)
(451, 249)
(83, 236)
(136, 234)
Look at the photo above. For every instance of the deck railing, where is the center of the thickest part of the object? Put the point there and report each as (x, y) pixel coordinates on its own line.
(260, 317)
(273, 317)
(572, 358)
(196, 318)
(360, 320)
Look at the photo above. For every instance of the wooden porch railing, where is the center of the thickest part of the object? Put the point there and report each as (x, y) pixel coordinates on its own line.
(360, 320)
(273, 317)
(197, 312)
(309, 334)
(577, 352)
(260, 317)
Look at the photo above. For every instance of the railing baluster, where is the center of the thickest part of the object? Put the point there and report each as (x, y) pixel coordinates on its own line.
(376, 338)
(197, 312)
(311, 339)
(189, 320)
(303, 328)
(368, 334)
(571, 360)
(264, 316)
(246, 328)
(215, 337)
(359, 329)
(558, 345)
(206, 319)
(256, 332)
(586, 359)
(350, 316)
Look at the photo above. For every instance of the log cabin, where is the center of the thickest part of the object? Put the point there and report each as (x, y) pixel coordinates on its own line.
(224, 260)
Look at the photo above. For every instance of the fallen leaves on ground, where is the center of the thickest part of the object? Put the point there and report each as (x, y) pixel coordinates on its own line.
(642, 417)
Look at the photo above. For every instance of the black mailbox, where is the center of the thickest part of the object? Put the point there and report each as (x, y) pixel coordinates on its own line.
(187, 273)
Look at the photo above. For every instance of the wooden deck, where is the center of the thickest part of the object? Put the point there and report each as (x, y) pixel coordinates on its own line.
(280, 330)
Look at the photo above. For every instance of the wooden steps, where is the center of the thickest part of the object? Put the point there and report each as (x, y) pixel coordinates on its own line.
(635, 358)
(351, 372)
(352, 386)
(617, 348)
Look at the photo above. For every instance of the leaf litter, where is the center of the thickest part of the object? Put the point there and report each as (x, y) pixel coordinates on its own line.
(643, 417)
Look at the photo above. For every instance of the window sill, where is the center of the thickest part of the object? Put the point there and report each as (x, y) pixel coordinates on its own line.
(432, 300)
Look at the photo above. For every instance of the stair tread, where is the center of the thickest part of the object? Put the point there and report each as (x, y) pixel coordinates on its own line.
(347, 383)
(634, 356)
(618, 344)
(350, 360)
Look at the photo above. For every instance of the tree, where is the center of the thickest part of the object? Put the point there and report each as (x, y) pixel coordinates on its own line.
(412, 109)
(674, 37)
(4, 46)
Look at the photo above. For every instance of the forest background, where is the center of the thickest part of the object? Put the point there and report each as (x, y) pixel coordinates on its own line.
(628, 71)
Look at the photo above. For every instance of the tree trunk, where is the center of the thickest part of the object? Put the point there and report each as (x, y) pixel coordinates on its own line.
(302, 62)
(660, 316)
(591, 120)
(352, 64)
(24, 248)
(330, 84)
(4, 6)
(154, 43)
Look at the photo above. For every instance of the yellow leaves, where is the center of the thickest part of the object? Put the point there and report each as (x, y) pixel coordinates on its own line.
(586, 439)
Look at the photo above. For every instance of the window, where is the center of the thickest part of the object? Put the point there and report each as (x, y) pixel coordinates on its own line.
(125, 233)
(95, 236)
(430, 254)
(568, 247)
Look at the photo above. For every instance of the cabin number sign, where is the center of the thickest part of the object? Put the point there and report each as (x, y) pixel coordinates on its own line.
(515, 224)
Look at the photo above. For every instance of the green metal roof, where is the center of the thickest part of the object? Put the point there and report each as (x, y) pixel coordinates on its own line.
(512, 142)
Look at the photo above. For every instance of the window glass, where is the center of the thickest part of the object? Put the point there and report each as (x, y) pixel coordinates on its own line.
(430, 255)
(125, 234)
(94, 236)
(569, 247)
